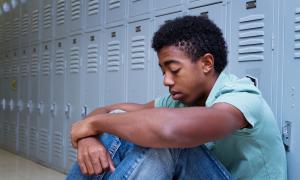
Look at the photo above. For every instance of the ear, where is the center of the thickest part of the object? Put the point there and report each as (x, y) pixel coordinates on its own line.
(207, 61)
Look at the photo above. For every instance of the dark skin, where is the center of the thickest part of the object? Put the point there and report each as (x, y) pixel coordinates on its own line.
(189, 82)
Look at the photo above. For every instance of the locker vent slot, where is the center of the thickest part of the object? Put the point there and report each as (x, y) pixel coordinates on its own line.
(114, 4)
(6, 73)
(22, 136)
(138, 53)
(59, 62)
(75, 9)
(24, 67)
(46, 63)
(297, 35)
(57, 145)
(25, 24)
(72, 155)
(74, 60)
(16, 28)
(7, 31)
(251, 38)
(14, 69)
(1, 35)
(60, 12)
(47, 16)
(43, 141)
(34, 65)
(6, 129)
(93, 7)
(113, 59)
(33, 138)
(35, 21)
(92, 60)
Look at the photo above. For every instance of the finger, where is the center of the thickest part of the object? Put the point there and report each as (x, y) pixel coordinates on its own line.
(94, 156)
(111, 163)
(81, 164)
(88, 163)
(103, 158)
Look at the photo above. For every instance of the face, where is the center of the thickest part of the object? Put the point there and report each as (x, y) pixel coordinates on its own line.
(189, 82)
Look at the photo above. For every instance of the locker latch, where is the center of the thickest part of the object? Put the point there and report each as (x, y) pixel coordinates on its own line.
(68, 110)
(41, 107)
(11, 105)
(53, 109)
(84, 111)
(286, 135)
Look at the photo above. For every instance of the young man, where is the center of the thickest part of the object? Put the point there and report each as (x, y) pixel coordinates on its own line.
(168, 137)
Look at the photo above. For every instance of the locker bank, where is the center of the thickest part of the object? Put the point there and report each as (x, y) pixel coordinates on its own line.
(60, 59)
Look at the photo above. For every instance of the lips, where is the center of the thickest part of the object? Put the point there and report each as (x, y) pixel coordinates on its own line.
(176, 95)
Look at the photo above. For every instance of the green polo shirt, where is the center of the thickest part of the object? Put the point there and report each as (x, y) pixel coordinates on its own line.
(249, 153)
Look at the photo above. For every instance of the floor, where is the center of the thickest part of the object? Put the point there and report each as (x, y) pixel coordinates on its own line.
(13, 167)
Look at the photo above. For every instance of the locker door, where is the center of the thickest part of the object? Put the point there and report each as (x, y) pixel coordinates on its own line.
(158, 4)
(76, 15)
(159, 89)
(16, 30)
(138, 88)
(12, 117)
(94, 12)
(23, 81)
(61, 23)
(5, 100)
(215, 12)
(35, 20)
(73, 91)
(251, 49)
(25, 24)
(139, 7)
(2, 95)
(114, 10)
(44, 99)
(32, 104)
(114, 70)
(57, 105)
(291, 86)
(93, 72)
(47, 20)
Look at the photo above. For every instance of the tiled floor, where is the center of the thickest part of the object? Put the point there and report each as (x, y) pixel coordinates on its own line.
(13, 167)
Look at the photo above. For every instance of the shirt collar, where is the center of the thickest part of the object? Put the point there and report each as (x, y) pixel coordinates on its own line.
(219, 84)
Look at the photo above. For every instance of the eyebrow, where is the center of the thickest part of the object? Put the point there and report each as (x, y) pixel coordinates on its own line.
(168, 62)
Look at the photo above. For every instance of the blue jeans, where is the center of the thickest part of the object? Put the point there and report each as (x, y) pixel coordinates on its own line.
(135, 162)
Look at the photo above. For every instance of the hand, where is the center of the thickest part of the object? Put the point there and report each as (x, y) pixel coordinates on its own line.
(92, 157)
(81, 129)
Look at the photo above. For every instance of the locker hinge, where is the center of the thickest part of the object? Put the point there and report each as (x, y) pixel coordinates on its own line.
(286, 134)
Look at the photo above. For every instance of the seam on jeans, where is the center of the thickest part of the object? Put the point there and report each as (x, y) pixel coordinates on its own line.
(135, 164)
(112, 151)
(216, 163)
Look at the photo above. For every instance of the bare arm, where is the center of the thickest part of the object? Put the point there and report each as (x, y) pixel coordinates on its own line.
(164, 127)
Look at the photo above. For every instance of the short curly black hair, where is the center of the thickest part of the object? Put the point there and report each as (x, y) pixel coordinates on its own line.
(196, 36)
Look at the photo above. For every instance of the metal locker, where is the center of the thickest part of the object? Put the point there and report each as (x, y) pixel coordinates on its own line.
(61, 20)
(32, 104)
(44, 99)
(5, 100)
(16, 29)
(251, 43)
(138, 78)
(57, 105)
(25, 23)
(139, 7)
(76, 15)
(94, 13)
(158, 4)
(12, 113)
(47, 20)
(159, 89)
(114, 10)
(8, 23)
(35, 20)
(93, 72)
(215, 12)
(23, 91)
(114, 65)
(291, 86)
(73, 91)
(2, 95)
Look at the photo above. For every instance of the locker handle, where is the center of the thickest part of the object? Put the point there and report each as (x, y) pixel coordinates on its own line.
(84, 111)
(68, 110)
(41, 107)
(11, 105)
(53, 109)
(29, 106)
(20, 105)
(3, 104)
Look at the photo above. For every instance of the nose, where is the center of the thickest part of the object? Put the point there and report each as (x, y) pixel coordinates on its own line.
(168, 81)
